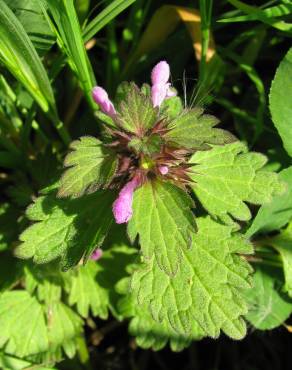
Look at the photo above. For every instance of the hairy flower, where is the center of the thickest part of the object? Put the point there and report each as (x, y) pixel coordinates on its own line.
(101, 98)
(161, 88)
(122, 207)
(149, 143)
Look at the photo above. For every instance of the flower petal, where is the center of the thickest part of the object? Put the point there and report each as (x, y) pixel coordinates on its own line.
(101, 98)
(122, 207)
(96, 255)
(160, 73)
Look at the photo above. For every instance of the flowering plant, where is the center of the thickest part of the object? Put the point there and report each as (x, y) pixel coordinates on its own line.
(134, 206)
(157, 161)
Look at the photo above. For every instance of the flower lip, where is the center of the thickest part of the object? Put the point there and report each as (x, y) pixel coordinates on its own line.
(160, 73)
(122, 207)
(101, 98)
(161, 88)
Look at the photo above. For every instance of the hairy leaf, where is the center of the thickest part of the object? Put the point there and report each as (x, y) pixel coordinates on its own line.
(280, 104)
(64, 228)
(86, 292)
(136, 112)
(22, 324)
(65, 326)
(194, 130)
(276, 214)
(268, 307)
(227, 177)
(163, 219)
(91, 167)
(148, 332)
(207, 288)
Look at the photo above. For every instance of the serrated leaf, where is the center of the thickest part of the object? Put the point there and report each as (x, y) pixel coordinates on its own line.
(136, 112)
(22, 324)
(149, 333)
(227, 177)
(278, 212)
(91, 166)
(148, 145)
(280, 103)
(268, 307)
(68, 229)
(283, 244)
(171, 107)
(86, 292)
(64, 327)
(45, 281)
(194, 130)
(166, 229)
(207, 288)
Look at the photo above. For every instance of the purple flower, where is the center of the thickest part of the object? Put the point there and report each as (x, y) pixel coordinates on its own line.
(96, 255)
(101, 98)
(161, 88)
(122, 207)
(163, 170)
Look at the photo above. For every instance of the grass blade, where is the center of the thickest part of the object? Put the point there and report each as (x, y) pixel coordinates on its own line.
(105, 16)
(19, 56)
(65, 24)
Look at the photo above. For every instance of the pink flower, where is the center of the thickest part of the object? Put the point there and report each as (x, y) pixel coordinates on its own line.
(122, 207)
(161, 88)
(163, 170)
(96, 255)
(101, 98)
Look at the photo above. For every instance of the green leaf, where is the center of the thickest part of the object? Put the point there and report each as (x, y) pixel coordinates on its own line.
(66, 26)
(280, 104)
(276, 214)
(148, 145)
(166, 229)
(171, 107)
(206, 291)
(283, 244)
(22, 324)
(31, 17)
(263, 15)
(149, 333)
(91, 166)
(227, 177)
(65, 326)
(136, 112)
(13, 363)
(155, 335)
(21, 59)
(104, 17)
(86, 292)
(69, 229)
(268, 308)
(194, 130)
